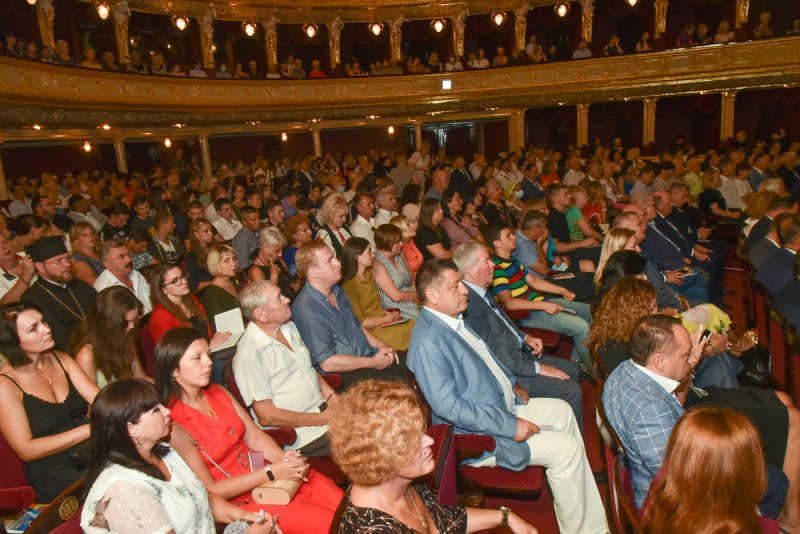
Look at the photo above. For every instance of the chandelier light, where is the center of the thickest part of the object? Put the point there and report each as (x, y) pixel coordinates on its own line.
(249, 28)
(376, 28)
(102, 9)
(562, 8)
(499, 17)
(180, 22)
(310, 29)
(284, 136)
(87, 146)
(390, 130)
(167, 142)
(32, 2)
(632, 3)
(438, 24)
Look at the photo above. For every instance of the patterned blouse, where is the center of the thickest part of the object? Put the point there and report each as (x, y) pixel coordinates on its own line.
(448, 519)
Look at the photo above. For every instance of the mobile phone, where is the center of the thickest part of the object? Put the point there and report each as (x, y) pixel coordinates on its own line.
(570, 311)
(256, 460)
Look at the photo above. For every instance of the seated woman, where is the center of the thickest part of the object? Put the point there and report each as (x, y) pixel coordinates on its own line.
(106, 344)
(201, 237)
(384, 463)
(459, 229)
(431, 239)
(392, 275)
(138, 482)
(495, 208)
(411, 201)
(333, 217)
(711, 201)
(269, 265)
(166, 247)
(296, 231)
(215, 436)
(174, 306)
(45, 397)
(411, 253)
(85, 252)
(358, 283)
(30, 228)
(710, 452)
(221, 294)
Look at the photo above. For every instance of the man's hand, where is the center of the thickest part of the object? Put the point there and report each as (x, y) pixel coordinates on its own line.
(519, 390)
(569, 295)
(535, 344)
(588, 242)
(683, 302)
(698, 342)
(552, 372)
(543, 238)
(702, 256)
(674, 277)
(384, 358)
(672, 312)
(551, 308)
(525, 429)
(703, 233)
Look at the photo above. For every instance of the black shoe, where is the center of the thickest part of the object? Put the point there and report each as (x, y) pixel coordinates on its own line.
(600, 477)
(754, 377)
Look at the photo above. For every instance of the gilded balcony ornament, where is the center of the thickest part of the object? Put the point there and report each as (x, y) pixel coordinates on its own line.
(207, 37)
(46, 15)
(521, 25)
(586, 19)
(121, 15)
(459, 25)
(396, 38)
(661, 18)
(271, 36)
(742, 11)
(335, 38)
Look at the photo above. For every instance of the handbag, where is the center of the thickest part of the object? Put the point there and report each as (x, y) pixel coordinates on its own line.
(280, 492)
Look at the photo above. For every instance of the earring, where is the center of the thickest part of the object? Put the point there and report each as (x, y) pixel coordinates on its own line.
(138, 443)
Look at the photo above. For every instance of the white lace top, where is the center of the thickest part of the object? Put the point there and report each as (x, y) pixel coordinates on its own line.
(124, 500)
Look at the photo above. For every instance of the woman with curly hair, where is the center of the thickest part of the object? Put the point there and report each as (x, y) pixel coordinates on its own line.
(378, 439)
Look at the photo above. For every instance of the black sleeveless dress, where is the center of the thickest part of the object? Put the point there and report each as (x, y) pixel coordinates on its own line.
(53, 474)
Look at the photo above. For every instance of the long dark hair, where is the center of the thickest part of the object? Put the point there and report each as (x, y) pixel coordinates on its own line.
(9, 336)
(426, 212)
(168, 354)
(447, 198)
(158, 296)
(410, 194)
(352, 248)
(106, 330)
(118, 404)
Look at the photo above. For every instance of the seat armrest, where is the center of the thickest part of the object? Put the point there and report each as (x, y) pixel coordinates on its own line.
(283, 436)
(469, 446)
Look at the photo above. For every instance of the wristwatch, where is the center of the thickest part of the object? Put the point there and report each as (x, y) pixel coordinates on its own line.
(270, 474)
(505, 510)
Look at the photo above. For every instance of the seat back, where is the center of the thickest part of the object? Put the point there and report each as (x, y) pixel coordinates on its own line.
(442, 480)
(229, 381)
(760, 313)
(148, 346)
(626, 518)
(779, 349)
(610, 437)
(62, 513)
(13, 475)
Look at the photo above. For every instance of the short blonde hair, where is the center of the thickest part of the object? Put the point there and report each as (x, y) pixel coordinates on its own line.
(215, 257)
(330, 203)
(375, 428)
(402, 222)
(271, 236)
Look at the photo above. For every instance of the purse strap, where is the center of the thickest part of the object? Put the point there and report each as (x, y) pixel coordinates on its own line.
(210, 459)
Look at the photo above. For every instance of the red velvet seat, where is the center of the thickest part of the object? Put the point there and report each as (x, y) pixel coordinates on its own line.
(779, 350)
(63, 514)
(148, 346)
(623, 511)
(15, 493)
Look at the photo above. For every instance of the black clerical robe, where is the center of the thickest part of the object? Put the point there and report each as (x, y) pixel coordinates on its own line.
(63, 307)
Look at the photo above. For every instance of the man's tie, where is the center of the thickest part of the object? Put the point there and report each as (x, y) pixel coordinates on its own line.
(493, 305)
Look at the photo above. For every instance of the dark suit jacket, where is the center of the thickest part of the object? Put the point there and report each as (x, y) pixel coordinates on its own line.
(673, 234)
(761, 252)
(681, 219)
(53, 301)
(460, 180)
(788, 304)
(776, 271)
(661, 251)
(758, 231)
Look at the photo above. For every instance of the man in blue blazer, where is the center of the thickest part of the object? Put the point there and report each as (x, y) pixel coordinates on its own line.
(467, 387)
(776, 270)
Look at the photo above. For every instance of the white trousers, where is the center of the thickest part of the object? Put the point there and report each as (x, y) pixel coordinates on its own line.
(559, 447)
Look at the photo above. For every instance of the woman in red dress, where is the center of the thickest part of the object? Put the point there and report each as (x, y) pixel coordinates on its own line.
(215, 436)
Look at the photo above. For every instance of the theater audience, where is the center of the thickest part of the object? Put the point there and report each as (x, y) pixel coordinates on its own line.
(408, 247)
(16, 272)
(214, 435)
(166, 247)
(389, 422)
(787, 302)
(392, 274)
(776, 269)
(45, 397)
(135, 478)
(333, 217)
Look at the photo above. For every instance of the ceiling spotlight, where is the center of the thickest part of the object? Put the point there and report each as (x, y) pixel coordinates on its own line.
(36, 127)
(167, 142)
(105, 126)
(562, 8)
(376, 28)
(284, 137)
(499, 17)
(180, 22)
(102, 9)
(249, 28)
(439, 25)
(632, 2)
(87, 146)
(390, 130)
(310, 29)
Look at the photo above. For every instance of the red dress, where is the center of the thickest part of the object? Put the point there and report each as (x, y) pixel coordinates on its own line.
(413, 256)
(312, 508)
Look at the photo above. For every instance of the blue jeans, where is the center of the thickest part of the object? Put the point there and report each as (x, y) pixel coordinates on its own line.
(574, 326)
(694, 289)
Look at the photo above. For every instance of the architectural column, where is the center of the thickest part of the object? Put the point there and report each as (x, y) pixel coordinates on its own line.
(3, 185)
(119, 152)
(587, 19)
(317, 138)
(583, 124)
(121, 14)
(417, 135)
(521, 26)
(727, 115)
(396, 38)
(661, 18)
(271, 33)
(459, 25)
(649, 130)
(205, 152)
(516, 130)
(742, 12)
(207, 39)
(46, 15)
(335, 41)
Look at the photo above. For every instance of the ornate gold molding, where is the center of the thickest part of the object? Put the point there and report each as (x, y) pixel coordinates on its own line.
(661, 18)
(76, 97)
(46, 15)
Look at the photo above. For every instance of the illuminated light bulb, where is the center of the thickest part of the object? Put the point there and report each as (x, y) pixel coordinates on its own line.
(562, 8)
(102, 9)
(390, 129)
(87, 146)
(213, 47)
(32, 2)
(106, 126)
(498, 17)
(284, 137)
(376, 28)
(310, 30)
(632, 2)
(167, 142)
(36, 127)
(249, 28)
(438, 25)
(180, 22)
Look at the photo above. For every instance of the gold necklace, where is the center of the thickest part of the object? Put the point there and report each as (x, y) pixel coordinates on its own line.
(80, 317)
(418, 515)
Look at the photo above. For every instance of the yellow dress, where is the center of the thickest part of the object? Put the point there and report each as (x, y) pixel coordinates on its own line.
(366, 303)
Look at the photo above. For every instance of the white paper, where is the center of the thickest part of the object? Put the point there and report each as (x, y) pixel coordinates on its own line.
(229, 321)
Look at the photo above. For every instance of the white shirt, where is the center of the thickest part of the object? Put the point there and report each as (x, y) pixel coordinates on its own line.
(474, 170)
(80, 217)
(140, 286)
(669, 385)
(210, 213)
(573, 177)
(8, 280)
(365, 229)
(266, 369)
(227, 229)
(480, 348)
(384, 216)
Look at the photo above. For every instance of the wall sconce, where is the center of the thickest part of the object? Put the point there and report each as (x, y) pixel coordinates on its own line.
(376, 28)
(87, 146)
(167, 142)
(390, 131)
(498, 17)
(284, 136)
(180, 22)
(562, 8)
(439, 24)
(310, 29)
(249, 28)
(102, 9)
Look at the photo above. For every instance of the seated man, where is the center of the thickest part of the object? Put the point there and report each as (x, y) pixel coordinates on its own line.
(776, 270)
(550, 307)
(273, 370)
(330, 329)
(788, 301)
(770, 242)
(641, 400)
(468, 388)
(119, 271)
(539, 376)
(778, 205)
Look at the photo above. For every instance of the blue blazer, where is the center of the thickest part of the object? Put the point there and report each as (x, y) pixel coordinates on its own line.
(776, 270)
(662, 251)
(673, 234)
(643, 415)
(461, 390)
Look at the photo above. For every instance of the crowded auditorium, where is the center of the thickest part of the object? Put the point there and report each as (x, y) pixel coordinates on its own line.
(412, 267)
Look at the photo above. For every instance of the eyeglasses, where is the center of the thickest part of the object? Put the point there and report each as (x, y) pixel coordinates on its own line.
(63, 261)
(178, 281)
